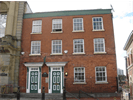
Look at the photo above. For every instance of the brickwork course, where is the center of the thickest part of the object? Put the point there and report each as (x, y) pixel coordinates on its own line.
(89, 60)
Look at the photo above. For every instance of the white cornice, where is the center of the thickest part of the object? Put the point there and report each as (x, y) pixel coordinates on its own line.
(129, 66)
(129, 41)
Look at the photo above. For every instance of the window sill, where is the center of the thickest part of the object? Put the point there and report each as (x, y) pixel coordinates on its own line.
(98, 30)
(100, 52)
(57, 54)
(57, 32)
(36, 33)
(34, 54)
(101, 82)
(79, 83)
(79, 31)
(78, 53)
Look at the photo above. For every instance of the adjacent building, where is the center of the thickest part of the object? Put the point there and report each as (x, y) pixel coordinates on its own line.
(75, 49)
(120, 71)
(11, 19)
(129, 50)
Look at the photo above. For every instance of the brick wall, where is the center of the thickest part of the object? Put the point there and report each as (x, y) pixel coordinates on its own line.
(89, 60)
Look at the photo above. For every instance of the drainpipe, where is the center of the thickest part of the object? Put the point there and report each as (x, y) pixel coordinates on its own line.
(126, 67)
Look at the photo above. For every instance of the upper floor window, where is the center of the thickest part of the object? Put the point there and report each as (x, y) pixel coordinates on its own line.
(101, 75)
(79, 74)
(97, 23)
(56, 25)
(35, 47)
(77, 24)
(37, 26)
(99, 45)
(3, 18)
(56, 46)
(78, 45)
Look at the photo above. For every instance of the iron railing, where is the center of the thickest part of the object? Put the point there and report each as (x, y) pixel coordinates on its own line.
(91, 86)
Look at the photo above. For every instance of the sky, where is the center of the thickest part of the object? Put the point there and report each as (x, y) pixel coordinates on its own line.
(122, 17)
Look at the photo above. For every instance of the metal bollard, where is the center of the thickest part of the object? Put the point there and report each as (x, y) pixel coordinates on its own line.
(64, 93)
(18, 93)
(79, 94)
(43, 93)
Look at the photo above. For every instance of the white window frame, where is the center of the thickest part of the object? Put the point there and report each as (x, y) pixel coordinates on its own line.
(32, 47)
(98, 22)
(98, 43)
(55, 21)
(36, 25)
(56, 44)
(77, 22)
(75, 44)
(102, 73)
(74, 75)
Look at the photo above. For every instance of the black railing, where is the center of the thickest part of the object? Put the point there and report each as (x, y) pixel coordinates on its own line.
(43, 93)
(64, 93)
(18, 93)
(89, 95)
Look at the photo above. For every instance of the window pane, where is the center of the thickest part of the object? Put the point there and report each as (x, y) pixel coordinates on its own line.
(35, 47)
(79, 74)
(36, 26)
(97, 23)
(57, 25)
(56, 46)
(3, 18)
(100, 74)
(99, 45)
(78, 24)
(78, 45)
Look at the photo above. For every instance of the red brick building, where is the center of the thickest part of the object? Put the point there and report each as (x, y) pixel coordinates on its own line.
(76, 45)
(129, 62)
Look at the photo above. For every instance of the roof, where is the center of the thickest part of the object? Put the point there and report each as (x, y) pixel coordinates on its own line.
(129, 41)
(67, 13)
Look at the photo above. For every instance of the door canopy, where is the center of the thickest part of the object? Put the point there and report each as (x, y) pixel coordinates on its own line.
(56, 64)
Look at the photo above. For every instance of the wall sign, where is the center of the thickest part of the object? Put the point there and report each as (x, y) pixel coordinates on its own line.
(45, 75)
(3, 74)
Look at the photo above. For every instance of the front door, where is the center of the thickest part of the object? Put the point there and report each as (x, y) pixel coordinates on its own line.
(34, 82)
(56, 82)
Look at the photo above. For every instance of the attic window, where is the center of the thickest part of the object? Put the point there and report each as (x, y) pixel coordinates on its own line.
(56, 25)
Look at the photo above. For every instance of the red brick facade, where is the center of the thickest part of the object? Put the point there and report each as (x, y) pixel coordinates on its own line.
(89, 60)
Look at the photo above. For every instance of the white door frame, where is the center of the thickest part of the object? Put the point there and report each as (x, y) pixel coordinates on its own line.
(55, 65)
(30, 66)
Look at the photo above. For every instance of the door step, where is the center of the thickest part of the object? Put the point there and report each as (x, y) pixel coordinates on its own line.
(52, 96)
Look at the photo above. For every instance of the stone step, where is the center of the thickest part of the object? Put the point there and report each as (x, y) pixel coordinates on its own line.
(39, 95)
(27, 99)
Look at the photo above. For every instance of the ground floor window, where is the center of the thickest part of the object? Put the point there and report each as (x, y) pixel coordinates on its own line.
(79, 74)
(101, 74)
